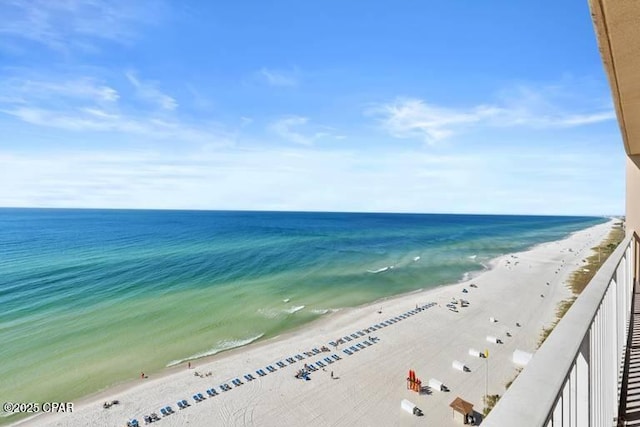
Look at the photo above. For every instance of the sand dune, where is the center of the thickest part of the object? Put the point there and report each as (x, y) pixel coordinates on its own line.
(371, 383)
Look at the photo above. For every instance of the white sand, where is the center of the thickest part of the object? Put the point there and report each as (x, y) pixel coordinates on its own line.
(372, 382)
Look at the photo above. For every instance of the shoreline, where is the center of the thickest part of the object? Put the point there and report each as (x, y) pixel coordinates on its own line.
(343, 319)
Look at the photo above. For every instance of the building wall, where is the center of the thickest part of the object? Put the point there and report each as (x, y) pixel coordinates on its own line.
(633, 194)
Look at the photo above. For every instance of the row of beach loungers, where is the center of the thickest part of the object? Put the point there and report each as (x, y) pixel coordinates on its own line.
(311, 366)
(361, 333)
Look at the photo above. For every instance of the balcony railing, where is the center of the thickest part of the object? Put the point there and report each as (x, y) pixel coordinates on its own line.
(575, 378)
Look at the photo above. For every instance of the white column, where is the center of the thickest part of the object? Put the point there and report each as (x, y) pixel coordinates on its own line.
(583, 384)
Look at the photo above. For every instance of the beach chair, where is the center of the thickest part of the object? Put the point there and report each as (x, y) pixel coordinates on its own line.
(281, 364)
(299, 357)
(320, 364)
(164, 412)
(185, 403)
(133, 423)
(249, 377)
(328, 360)
(360, 346)
(237, 382)
(291, 360)
(354, 348)
(315, 351)
(169, 410)
(311, 367)
(180, 405)
(345, 351)
(224, 387)
(271, 368)
(354, 336)
(197, 398)
(333, 343)
(210, 392)
(261, 372)
(336, 357)
(346, 338)
(361, 333)
(201, 396)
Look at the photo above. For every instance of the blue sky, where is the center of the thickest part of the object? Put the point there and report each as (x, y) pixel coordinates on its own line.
(405, 106)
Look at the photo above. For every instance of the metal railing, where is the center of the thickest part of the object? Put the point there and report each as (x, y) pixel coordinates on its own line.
(574, 377)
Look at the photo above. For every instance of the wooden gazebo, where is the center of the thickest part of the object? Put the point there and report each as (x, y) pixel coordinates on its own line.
(461, 409)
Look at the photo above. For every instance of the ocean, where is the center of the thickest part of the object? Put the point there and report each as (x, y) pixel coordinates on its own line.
(91, 298)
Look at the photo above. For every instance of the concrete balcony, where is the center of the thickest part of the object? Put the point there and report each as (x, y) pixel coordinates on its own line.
(582, 375)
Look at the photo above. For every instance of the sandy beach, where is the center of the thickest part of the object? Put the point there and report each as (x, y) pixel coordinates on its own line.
(368, 385)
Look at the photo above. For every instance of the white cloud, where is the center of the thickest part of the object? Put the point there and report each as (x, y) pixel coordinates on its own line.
(524, 107)
(297, 129)
(288, 129)
(86, 105)
(407, 117)
(75, 24)
(149, 92)
(279, 78)
(311, 179)
(82, 88)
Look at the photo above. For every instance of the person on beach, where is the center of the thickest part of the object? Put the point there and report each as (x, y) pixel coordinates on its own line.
(331, 374)
(142, 375)
(189, 365)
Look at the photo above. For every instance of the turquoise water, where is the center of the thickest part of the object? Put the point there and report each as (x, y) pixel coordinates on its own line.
(89, 298)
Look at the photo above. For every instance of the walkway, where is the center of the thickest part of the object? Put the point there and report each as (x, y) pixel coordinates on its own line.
(630, 393)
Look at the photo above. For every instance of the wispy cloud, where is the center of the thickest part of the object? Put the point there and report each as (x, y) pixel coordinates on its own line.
(288, 129)
(148, 91)
(279, 78)
(83, 88)
(88, 105)
(408, 117)
(75, 24)
(296, 129)
(351, 180)
(416, 118)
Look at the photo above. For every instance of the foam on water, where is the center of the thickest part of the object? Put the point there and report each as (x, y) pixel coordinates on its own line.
(294, 309)
(219, 347)
(381, 270)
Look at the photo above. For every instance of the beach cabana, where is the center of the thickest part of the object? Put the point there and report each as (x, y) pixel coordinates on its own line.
(475, 353)
(410, 407)
(435, 384)
(456, 364)
(461, 410)
(521, 357)
(491, 338)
